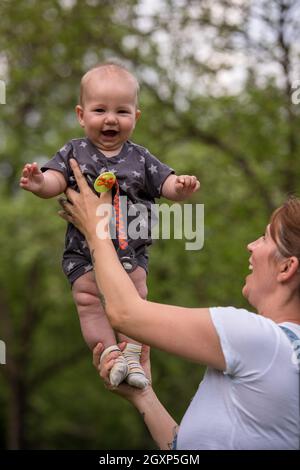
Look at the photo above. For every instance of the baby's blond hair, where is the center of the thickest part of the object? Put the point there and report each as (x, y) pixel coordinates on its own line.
(107, 67)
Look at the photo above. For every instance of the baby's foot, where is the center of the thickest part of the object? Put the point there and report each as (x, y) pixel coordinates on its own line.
(120, 368)
(136, 376)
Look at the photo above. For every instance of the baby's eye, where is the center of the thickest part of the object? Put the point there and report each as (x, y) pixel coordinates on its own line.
(123, 111)
(99, 110)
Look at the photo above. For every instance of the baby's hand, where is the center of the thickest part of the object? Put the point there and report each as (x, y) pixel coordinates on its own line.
(186, 185)
(32, 178)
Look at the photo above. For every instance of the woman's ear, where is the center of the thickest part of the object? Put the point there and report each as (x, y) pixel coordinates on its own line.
(288, 268)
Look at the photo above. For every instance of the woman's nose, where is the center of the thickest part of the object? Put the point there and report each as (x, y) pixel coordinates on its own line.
(250, 246)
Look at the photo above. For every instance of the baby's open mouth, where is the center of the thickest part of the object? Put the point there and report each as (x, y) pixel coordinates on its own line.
(110, 133)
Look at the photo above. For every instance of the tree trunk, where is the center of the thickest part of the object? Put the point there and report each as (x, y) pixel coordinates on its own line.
(17, 403)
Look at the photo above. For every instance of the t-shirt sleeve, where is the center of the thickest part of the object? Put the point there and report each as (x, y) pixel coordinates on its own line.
(60, 162)
(156, 173)
(249, 341)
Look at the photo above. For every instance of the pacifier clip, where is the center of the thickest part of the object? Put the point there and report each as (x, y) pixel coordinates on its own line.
(126, 253)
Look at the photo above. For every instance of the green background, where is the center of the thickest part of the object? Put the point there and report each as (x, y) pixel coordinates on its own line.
(241, 140)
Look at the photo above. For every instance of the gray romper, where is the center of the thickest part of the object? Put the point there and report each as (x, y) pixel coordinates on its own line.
(140, 176)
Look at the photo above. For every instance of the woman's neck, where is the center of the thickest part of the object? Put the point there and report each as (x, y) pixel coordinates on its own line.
(282, 311)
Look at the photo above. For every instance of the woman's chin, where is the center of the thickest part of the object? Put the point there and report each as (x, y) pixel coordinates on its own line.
(248, 292)
(244, 292)
(245, 289)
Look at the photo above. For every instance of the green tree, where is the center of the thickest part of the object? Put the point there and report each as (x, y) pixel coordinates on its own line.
(216, 79)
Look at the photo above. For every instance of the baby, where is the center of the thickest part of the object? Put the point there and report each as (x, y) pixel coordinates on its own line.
(108, 112)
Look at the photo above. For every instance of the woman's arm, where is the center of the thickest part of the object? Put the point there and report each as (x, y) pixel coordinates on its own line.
(161, 425)
(186, 332)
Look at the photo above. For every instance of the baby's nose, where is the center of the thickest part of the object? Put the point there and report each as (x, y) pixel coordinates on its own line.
(111, 117)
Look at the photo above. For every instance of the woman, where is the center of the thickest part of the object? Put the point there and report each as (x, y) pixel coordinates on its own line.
(249, 396)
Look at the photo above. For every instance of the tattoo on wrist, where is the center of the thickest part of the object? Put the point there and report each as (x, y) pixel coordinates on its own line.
(171, 444)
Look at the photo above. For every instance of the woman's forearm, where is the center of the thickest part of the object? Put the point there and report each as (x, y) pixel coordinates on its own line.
(117, 292)
(160, 424)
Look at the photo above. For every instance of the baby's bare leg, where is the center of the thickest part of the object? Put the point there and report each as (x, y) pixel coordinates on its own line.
(132, 352)
(94, 324)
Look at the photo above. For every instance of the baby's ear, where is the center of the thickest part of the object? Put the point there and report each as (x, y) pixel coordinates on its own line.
(79, 114)
(138, 114)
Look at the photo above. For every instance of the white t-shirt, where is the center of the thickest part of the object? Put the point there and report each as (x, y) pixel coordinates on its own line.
(254, 404)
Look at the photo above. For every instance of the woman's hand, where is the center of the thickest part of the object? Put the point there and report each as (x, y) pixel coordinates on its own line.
(85, 210)
(126, 391)
(161, 425)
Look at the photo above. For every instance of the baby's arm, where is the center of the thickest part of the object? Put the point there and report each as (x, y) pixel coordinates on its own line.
(45, 185)
(178, 188)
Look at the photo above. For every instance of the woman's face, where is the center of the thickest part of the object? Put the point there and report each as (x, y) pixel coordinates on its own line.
(264, 269)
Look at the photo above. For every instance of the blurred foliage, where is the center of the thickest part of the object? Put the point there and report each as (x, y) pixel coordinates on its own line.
(242, 143)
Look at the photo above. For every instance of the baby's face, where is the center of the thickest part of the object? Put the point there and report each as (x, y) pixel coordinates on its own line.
(109, 111)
